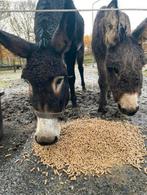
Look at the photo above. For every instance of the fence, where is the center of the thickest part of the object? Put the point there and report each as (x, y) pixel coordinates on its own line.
(17, 63)
(75, 10)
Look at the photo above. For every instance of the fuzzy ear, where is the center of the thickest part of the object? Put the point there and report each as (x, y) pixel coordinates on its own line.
(16, 45)
(140, 33)
(63, 36)
(113, 4)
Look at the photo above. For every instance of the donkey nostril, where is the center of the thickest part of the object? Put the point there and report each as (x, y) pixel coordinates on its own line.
(53, 141)
(45, 141)
(36, 138)
(119, 106)
(56, 140)
(128, 112)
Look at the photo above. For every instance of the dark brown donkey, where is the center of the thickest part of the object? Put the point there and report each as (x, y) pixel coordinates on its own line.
(47, 73)
(45, 25)
(119, 58)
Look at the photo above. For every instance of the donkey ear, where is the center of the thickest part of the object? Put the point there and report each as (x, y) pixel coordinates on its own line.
(113, 4)
(140, 33)
(63, 36)
(16, 45)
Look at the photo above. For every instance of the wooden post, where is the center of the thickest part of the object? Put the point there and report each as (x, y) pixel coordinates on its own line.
(1, 55)
(14, 65)
(1, 118)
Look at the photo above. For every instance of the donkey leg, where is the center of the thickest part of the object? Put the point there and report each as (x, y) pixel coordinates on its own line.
(80, 59)
(70, 58)
(109, 93)
(103, 94)
(103, 84)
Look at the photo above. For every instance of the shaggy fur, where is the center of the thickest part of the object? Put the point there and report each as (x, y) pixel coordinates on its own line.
(48, 21)
(44, 65)
(45, 29)
(59, 40)
(118, 55)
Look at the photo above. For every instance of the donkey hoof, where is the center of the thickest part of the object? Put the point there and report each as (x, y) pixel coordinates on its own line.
(74, 105)
(103, 110)
(84, 89)
(63, 118)
(76, 111)
(109, 95)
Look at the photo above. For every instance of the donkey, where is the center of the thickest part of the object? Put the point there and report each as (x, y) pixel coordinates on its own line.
(44, 31)
(47, 73)
(119, 58)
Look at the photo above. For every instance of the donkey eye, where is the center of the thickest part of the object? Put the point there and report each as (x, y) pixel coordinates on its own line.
(113, 68)
(110, 26)
(58, 82)
(116, 70)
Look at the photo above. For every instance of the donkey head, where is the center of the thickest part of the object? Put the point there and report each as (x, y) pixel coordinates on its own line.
(46, 74)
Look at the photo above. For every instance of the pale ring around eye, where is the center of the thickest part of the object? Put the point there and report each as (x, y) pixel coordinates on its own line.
(57, 84)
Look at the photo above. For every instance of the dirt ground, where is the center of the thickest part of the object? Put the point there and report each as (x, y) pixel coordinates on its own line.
(17, 163)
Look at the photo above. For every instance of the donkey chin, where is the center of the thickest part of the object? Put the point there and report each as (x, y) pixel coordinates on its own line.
(128, 104)
(47, 131)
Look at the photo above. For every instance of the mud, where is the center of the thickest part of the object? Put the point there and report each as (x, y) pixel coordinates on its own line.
(20, 170)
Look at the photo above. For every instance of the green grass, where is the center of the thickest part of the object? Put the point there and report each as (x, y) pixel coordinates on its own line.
(4, 84)
(145, 73)
(10, 75)
(6, 77)
(88, 59)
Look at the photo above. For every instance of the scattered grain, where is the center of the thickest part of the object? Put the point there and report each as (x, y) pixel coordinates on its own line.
(93, 147)
(145, 170)
(17, 161)
(45, 182)
(7, 155)
(1, 147)
(32, 170)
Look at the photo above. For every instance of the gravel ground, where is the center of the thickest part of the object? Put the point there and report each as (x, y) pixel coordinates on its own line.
(17, 163)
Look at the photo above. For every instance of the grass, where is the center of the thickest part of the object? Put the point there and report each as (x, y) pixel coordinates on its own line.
(145, 73)
(10, 75)
(4, 84)
(7, 76)
(88, 59)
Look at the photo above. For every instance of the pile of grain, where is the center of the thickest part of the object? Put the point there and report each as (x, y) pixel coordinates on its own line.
(91, 146)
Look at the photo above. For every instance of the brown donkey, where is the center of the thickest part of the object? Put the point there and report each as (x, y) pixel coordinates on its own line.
(46, 70)
(119, 58)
